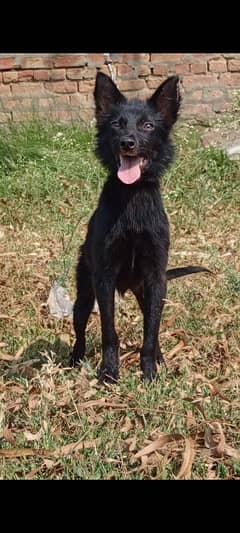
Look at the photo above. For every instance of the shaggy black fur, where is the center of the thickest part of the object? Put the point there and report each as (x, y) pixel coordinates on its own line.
(128, 235)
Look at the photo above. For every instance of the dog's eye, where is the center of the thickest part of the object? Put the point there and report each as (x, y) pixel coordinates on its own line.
(115, 124)
(148, 126)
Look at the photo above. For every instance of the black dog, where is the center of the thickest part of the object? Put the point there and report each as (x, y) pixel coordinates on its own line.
(128, 235)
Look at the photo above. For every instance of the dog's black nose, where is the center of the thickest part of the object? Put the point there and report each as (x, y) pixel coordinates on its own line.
(127, 143)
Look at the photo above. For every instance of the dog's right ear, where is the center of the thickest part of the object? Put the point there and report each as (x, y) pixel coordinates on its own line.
(106, 94)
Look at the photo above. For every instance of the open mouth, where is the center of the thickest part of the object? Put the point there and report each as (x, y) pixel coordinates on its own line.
(130, 168)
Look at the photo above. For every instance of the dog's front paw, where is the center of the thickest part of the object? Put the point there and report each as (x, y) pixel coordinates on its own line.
(108, 375)
(75, 356)
(149, 369)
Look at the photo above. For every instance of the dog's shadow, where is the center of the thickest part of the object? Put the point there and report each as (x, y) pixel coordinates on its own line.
(40, 353)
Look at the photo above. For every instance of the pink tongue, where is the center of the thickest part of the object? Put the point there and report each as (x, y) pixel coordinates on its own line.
(129, 170)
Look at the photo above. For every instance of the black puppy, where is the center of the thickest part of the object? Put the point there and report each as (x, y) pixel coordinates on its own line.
(128, 235)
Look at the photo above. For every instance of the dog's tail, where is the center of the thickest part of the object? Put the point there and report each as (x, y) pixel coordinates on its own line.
(185, 271)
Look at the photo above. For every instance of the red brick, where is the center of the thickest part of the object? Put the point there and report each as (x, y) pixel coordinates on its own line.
(131, 85)
(25, 75)
(204, 80)
(7, 63)
(69, 60)
(182, 68)
(5, 89)
(217, 65)
(160, 70)
(143, 70)
(231, 79)
(62, 99)
(75, 73)
(96, 60)
(41, 75)
(47, 102)
(231, 55)
(28, 103)
(90, 101)
(82, 99)
(36, 62)
(57, 74)
(61, 86)
(85, 87)
(197, 109)
(22, 115)
(27, 88)
(199, 68)
(65, 115)
(78, 99)
(87, 73)
(196, 95)
(234, 65)
(153, 83)
(167, 58)
(130, 59)
(143, 94)
(220, 107)
(5, 117)
(206, 57)
(10, 76)
(201, 56)
(124, 70)
(213, 94)
(10, 103)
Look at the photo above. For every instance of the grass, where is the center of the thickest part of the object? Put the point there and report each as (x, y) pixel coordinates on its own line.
(57, 422)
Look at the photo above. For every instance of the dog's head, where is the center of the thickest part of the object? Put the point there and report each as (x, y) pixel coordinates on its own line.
(133, 135)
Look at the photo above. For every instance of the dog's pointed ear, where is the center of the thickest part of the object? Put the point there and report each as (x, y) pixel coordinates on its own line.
(106, 94)
(166, 100)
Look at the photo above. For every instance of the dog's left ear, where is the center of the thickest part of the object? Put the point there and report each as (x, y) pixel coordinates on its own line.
(166, 100)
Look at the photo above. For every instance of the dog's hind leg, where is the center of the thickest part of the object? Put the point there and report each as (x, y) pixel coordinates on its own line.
(139, 294)
(154, 294)
(82, 309)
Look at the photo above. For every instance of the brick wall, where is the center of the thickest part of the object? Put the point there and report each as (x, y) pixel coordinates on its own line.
(60, 86)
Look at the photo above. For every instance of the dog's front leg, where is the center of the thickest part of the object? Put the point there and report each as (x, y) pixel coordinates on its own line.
(105, 289)
(154, 293)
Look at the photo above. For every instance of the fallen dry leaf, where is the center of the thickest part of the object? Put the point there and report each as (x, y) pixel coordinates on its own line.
(3, 344)
(8, 435)
(190, 420)
(49, 463)
(127, 425)
(33, 473)
(63, 450)
(6, 357)
(75, 447)
(21, 351)
(132, 441)
(175, 350)
(33, 401)
(89, 394)
(158, 443)
(101, 403)
(188, 457)
(214, 439)
(23, 452)
(232, 452)
(33, 436)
